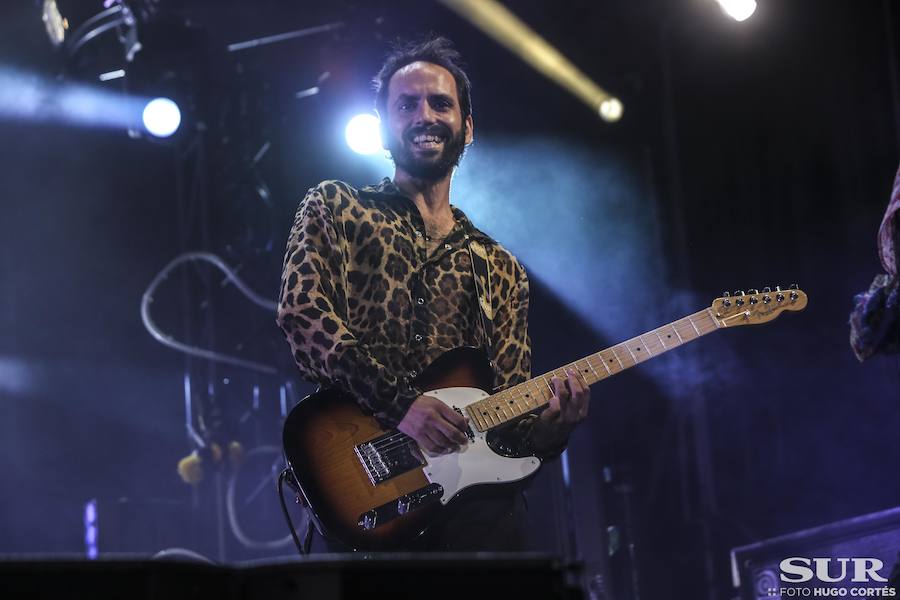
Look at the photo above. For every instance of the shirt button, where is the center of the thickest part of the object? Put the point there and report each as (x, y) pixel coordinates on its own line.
(418, 338)
(420, 301)
(447, 246)
(413, 374)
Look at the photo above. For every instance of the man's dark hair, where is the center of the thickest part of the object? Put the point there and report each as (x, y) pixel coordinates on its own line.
(436, 50)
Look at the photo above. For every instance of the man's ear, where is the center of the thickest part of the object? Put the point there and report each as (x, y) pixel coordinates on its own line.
(470, 130)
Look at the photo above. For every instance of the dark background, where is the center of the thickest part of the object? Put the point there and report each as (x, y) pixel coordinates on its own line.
(752, 154)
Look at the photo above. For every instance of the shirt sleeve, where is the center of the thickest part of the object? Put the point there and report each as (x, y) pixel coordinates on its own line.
(313, 313)
(512, 360)
(512, 344)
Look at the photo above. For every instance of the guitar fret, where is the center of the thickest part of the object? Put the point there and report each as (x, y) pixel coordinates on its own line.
(521, 405)
(618, 360)
(675, 329)
(541, 391)
(549, 387)
(687, 330)
(603, 362)
(588, 361)
(646, 345)
(655, 331)
(694, 326)
(513, 402)
(500, 406)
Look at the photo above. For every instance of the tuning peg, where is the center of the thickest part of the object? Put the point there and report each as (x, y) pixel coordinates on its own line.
(739, 293)
(777, 288)
(766, 290)
(753, 291)
(794, 286)
(726, 294)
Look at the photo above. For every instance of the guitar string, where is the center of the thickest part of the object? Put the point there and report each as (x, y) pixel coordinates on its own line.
(514, 394)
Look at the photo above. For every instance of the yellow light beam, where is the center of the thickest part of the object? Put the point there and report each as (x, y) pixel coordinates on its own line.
(507, 29)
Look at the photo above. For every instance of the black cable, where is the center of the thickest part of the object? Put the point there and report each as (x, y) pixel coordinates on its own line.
(301, 548)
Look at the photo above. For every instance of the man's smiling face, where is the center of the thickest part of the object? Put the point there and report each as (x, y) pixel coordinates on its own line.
(424, 128)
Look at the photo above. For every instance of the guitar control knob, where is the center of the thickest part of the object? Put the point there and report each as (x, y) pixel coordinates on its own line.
(368, 520)
(403, 503)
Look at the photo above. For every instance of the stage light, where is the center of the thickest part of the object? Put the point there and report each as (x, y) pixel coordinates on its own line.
(507, 29)
(611, 110)
(161, 117)
(363, 134)
(739, 10)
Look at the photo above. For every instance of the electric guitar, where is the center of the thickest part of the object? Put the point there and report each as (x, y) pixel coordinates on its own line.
(375, 489)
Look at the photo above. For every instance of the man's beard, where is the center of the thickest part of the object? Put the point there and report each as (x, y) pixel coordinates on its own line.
(430, 168)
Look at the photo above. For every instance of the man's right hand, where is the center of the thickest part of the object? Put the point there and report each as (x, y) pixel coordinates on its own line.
(435, 426)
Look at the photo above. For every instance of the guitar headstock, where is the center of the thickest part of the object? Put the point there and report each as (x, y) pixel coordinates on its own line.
(754, 307)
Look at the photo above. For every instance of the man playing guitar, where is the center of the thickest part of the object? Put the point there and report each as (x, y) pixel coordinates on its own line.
(381, 281)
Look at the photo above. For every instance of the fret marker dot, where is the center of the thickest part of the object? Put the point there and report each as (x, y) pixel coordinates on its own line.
(638, 349)
(510, 401)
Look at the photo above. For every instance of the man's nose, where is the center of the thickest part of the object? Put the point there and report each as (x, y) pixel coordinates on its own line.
(424, 114)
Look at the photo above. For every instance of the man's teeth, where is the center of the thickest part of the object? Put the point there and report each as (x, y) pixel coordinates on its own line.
(423, 139)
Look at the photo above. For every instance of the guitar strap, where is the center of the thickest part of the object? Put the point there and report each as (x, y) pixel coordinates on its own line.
(481, 273)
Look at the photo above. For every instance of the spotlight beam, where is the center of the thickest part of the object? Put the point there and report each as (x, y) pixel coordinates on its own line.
(504, 27)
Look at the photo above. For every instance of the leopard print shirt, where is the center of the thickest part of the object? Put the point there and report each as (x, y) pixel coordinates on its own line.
(365, 308)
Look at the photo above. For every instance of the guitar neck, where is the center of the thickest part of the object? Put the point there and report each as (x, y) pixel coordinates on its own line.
(535, 393)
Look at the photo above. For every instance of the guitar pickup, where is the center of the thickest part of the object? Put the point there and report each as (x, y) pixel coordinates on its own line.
(401, 506)
(388, 455)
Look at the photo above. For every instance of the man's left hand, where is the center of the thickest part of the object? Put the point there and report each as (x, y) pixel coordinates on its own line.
(568, 407)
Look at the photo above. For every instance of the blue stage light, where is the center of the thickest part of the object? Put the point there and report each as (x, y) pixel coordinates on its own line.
(363, 134)
(161, 117)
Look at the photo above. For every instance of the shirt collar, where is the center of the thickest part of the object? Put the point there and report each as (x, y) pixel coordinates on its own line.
(386, 188)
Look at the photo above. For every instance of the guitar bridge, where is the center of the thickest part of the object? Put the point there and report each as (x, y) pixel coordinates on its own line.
(388, 455)
(397, 508)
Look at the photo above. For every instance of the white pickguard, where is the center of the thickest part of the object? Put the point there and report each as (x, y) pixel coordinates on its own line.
(475, 463)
